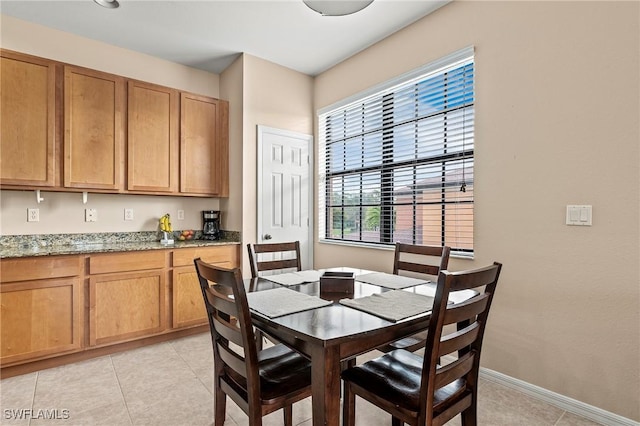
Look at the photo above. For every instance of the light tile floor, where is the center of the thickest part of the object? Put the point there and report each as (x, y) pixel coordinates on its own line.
(170, 384)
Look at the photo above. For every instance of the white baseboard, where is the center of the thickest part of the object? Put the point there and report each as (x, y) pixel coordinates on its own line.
(574, 406)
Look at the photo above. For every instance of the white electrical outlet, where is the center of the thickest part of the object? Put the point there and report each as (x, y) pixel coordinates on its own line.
(90, 215)
(33, 215)
(180, 214)
(128, 214)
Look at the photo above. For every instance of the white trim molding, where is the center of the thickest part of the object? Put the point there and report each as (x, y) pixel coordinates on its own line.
(571, 405)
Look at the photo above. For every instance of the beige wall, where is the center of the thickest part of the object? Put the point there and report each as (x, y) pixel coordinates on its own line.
(34, 39)
(273, 96)
(557, 116)
(231, 89)
(64, 212)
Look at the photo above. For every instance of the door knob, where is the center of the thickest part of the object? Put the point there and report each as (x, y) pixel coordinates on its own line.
(267, 237)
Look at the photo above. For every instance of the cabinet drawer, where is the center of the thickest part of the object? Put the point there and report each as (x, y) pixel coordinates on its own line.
(219, 254)
(37, 268)
(124, 262)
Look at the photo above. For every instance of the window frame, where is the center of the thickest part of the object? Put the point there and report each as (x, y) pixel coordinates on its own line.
(388, 165)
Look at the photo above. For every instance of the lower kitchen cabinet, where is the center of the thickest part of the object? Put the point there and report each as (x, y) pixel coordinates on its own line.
(59, 308)
(126, 306)
(127, 294)
(188, 306)
(40, 316)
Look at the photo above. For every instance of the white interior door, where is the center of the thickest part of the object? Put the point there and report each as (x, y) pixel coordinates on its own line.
(284, 189)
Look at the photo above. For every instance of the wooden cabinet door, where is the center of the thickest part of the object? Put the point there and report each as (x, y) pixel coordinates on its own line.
(126, 306)
(93, 129)
(39, 318)
(27, 120)
(188, 306)
(152, 143)
(204, 162)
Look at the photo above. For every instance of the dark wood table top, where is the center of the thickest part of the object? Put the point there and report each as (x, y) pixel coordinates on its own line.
(335, 323)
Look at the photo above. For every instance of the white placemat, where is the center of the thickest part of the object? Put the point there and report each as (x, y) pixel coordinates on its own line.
(392, 305)
(278, 302)
(294, 278)
(392, 281)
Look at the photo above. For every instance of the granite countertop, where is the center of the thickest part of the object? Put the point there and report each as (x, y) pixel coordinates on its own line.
(51, 245)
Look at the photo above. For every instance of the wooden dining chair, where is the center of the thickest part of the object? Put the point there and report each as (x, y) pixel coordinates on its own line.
(289, 253)
(259, 382)
(417, 260)
(261, 258)
(418, 390)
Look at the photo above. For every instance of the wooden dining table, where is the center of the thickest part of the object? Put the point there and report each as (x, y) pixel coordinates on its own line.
(332, 335)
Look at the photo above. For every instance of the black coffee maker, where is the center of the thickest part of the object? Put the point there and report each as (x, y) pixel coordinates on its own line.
(210, 224)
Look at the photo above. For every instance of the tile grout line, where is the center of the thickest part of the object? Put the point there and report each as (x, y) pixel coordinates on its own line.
(561, 416)
(190, 368)
(33, 394)
(124, 400)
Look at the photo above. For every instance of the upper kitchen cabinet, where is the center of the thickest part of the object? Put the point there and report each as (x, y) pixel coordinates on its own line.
(152, 143)
(27, 120)
(204, 145)
(68, 128)
(94, 105)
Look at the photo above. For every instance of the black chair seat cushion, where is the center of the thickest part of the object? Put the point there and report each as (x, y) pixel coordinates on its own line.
(282, 371)
(396, 377)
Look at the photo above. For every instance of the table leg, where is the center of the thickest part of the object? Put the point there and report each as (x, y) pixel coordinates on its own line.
(325, 386)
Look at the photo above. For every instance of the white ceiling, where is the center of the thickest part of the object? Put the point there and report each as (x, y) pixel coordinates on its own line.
(210, 34)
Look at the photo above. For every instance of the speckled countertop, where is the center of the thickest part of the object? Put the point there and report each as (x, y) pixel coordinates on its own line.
(58, 244)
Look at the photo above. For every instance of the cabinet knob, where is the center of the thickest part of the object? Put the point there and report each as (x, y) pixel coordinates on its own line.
(267, 237)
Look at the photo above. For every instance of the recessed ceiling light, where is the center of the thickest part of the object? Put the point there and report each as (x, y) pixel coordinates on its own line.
(109, 4)
(336, 7)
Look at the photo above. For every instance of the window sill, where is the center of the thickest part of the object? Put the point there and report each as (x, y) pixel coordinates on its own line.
(387, 247)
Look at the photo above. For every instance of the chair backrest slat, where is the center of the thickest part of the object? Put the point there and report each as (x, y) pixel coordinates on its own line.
(454, 371)
(458, 340)
(474, 279)
(418, 268)
(221, 303)
(233, 360)
(274, 247)
(270, 265)
(228, 331)
(429, 260)
(263, 257)
(466, 310)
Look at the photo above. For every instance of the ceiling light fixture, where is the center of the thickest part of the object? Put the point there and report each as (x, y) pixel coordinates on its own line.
(109, 4)
(336, 7)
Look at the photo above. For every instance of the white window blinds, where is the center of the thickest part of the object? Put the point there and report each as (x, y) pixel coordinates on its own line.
(397, 164)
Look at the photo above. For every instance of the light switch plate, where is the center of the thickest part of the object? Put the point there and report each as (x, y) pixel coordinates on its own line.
(579, 215)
